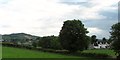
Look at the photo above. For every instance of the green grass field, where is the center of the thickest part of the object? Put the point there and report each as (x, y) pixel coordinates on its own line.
(101, 51)
(0, 51)
(9, 52)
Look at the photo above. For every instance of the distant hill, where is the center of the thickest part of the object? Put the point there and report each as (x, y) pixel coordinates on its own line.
(19, 37)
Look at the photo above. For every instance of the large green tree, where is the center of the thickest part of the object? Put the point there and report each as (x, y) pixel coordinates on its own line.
(115, 36)
(73, 35)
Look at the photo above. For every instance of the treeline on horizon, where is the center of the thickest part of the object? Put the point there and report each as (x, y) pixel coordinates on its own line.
(72, 37)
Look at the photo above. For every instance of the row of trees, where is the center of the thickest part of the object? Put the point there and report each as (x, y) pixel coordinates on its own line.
(51, 42)
(73, 37)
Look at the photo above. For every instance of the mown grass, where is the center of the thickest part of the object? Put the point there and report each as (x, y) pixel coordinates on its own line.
(101, 51)
(10, 52)
(0, 51)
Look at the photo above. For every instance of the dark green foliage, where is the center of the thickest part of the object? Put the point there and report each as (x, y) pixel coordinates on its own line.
(110, 40)
(34, 44)
(104, 40)
(88, 41)
(73, 35)
(115, 36)
(55, 43)
(93, 39)
(45, 42)
(50, 42)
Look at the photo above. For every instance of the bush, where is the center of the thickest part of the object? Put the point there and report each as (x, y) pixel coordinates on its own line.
(50, 42)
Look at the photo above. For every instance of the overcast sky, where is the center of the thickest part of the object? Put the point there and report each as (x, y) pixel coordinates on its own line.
(46, 17)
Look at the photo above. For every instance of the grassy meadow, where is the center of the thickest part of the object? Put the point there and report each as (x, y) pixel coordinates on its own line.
(101, 51)
(10, 52)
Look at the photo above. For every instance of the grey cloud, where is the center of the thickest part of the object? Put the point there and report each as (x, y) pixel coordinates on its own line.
(104, 24)
(85, 4)
(111, 15)
(111, 18)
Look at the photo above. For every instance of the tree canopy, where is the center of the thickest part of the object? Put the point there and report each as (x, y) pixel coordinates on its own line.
(73, 35)
(50, 42)
(115, 36)
(93, 39)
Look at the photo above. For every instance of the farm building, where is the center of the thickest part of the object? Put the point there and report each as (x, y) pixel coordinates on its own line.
(99, 44)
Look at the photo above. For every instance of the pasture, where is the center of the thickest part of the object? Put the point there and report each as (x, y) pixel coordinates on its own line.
(10, 52)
